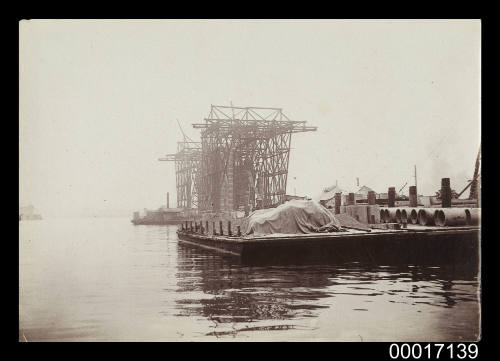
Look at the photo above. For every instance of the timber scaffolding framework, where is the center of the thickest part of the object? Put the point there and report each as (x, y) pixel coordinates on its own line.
(187, 162)
(244, 157)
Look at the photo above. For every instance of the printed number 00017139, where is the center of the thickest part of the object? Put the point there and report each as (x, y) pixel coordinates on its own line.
(416, 351)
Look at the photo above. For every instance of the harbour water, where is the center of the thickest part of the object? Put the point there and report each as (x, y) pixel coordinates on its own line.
(104, 279)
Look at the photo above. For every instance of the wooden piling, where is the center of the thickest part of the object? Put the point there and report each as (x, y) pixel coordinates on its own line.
(213, 228)
(391, 193)
(338, 201)
(239, 231)
(229, 233)
(445, 193)
(371, 198)
(221, 229)
(351, 200)
(413, 196)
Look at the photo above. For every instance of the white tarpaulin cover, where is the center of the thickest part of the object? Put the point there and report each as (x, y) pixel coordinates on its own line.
(292, 217)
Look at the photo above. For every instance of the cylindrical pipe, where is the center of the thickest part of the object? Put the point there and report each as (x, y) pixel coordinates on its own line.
(407, 214)
(472, 216)
(426, 216)
(414, 216)
(445, 193)
(450, 217)
(390, 215)
(382, 215)
(391, 194)
(413, 196)
(399, 215)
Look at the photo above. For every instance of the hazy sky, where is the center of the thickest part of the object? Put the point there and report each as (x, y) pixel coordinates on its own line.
(99, 102)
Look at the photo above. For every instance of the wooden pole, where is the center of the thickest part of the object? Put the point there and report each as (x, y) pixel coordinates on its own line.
(391, 193)
(445, 193)
(413, 196)
(338, 201)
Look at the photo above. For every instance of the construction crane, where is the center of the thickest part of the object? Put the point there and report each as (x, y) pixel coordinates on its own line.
(477, 174)
(187, 162)
(473, 183)
(403, 187)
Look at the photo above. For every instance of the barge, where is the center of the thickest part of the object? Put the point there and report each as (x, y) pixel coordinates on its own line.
(422, 245)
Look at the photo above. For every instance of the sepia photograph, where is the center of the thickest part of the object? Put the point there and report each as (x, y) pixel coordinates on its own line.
(221, 180)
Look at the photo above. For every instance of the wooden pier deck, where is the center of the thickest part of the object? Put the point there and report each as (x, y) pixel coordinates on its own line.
(429, 245)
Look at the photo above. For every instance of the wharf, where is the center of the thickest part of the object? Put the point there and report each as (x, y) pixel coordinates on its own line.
(423, 245)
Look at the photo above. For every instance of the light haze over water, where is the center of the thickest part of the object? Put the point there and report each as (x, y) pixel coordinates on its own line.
(99, 100)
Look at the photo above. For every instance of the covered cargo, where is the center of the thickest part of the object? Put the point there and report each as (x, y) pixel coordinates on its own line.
(292, 217)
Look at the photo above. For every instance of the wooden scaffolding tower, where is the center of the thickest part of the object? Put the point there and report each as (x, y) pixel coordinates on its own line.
(187, 162)
(244, 157)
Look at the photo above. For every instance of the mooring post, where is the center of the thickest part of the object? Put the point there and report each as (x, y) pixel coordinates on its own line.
(338, 200)
(221, 229)
(191, 226)
(213, 228)
(413, 196)
(229, 233)
(391, 194)
(186, 228)
(202, 231)
(445, 193)
(196, 226)
(206, 226)
(239, 230)
(371, 198)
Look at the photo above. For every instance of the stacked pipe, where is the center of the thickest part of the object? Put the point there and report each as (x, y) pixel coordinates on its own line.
(457, 216)
(472, 216)
(399, 215)
(426, 216)
(390, 215)
(382, 215)
(450, 217)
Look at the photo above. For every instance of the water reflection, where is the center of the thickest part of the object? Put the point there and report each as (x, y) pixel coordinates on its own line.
(238, 297)
(112, 281)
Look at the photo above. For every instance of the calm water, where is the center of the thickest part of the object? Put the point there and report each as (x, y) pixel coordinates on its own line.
(107, 280)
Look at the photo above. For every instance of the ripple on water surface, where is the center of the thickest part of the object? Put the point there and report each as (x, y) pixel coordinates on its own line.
(105, 279)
